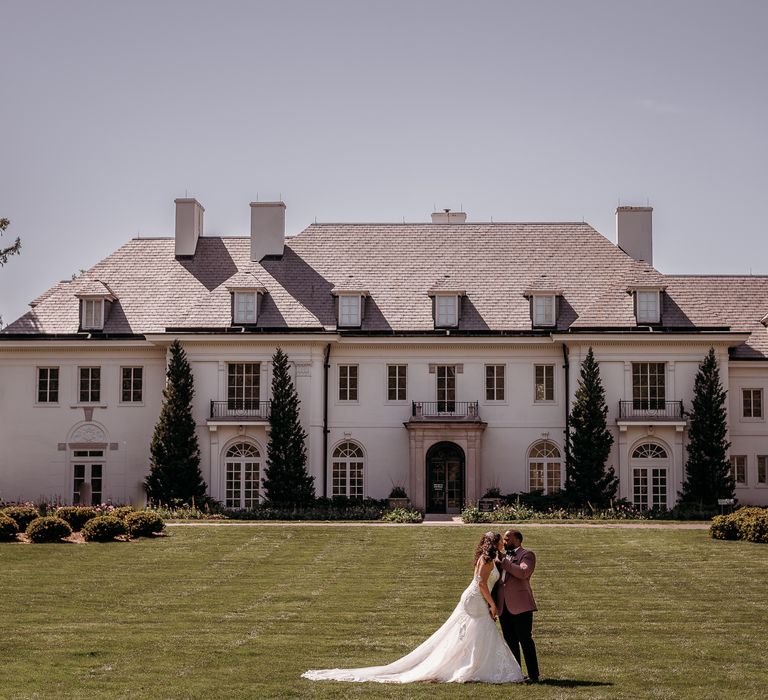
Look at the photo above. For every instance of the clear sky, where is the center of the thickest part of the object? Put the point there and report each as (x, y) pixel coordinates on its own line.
(379, 111)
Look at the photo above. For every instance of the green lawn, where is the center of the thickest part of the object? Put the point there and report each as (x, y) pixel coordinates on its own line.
(241, 611)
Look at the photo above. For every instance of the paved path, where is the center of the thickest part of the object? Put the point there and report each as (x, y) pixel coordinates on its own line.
(634, 524)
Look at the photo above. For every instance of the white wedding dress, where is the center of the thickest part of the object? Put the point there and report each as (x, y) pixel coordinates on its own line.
(468, 647)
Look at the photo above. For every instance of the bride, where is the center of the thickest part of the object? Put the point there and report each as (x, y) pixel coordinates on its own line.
(468, 647)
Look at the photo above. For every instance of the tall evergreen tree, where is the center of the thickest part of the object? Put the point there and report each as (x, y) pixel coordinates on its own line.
(286, 480)
(707, 469)
(587, 479)
(175, 465)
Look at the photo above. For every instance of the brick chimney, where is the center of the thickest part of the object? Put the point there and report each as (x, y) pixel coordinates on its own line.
(634, 232)
(267, 229)
(189, 226)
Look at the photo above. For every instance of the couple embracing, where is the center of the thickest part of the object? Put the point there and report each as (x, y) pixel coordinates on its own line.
(469, 647)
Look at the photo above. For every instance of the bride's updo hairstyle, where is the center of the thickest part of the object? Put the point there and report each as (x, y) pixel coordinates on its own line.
(488, 547)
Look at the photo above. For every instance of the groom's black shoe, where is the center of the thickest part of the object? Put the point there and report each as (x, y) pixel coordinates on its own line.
(528, 680)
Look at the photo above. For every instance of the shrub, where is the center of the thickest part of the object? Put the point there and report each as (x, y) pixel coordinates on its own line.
(76, 516)
(724, 527)
(402, 515)
(103, 528)
(48, 528)
(122, 512)
(23, 515)
(8, 528)
(398, 492)
(143, 523)
(472, 514)
(755, 527)
(750, 524)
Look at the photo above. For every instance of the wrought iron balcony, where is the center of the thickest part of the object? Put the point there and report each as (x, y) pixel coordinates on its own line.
(651, 411)
(240, 410)
(445, 410)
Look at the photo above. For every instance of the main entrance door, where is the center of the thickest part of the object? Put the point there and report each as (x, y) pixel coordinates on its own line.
(445, 478)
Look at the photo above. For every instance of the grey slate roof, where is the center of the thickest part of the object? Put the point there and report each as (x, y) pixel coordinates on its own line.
(398, 264)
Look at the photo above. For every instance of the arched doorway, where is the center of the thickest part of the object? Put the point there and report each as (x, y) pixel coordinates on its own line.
(650, 466)
(445, 478)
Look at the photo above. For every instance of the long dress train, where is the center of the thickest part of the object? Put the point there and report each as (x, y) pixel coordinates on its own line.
(468, 647)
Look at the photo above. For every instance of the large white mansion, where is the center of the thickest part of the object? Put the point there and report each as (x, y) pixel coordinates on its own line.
(441, 357)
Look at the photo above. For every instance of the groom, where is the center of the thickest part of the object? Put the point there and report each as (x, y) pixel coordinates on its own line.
(514, 600)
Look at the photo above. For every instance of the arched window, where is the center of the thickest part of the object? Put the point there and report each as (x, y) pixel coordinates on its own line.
(649, 476)
(649, 450)
(348, 464)
(242, 464)
(545, 467)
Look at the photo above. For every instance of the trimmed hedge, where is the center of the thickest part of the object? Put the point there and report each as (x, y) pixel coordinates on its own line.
(23, 515)
(143, 523)
(103, 528)
(750, 524)
(76, 516)
(8, 528)
(122, 512)
(49, 528)
(403, 515)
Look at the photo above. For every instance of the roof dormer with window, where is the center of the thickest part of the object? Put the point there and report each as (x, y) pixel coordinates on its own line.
(647, 303)
(543, 297)
(96, 300)
(446, 303)
(350, 303)
(246, 294)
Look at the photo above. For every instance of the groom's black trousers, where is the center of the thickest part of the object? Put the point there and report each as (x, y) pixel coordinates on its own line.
(517, 631)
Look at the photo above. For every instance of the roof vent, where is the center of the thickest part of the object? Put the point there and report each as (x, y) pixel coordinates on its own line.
(449, 217)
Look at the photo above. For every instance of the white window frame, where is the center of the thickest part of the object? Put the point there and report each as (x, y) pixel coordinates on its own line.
(494, 389)
(350, 310)
(245, 312)
(647, 312)
(446, 310)
(88, 459)
(545, 400)
(342, 464)
(90, 384)
(544, 310)
(131, 401)
(735, 471)
(401, 382)
(348, 389)
(47, 402)
(545, 461)
(761, 479)
(752, 391)
(91, 321)
(241, 458)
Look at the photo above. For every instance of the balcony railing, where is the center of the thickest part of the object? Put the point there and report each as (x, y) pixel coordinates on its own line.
(240, 410)
(651, 410)
(467, 410)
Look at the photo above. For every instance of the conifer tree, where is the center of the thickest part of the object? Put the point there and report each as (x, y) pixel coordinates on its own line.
(286, 480)
(175, 464)
(588, 482)
(707, 470)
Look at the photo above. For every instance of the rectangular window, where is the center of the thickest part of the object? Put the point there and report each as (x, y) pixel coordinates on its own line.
(396, 382)
(739, 469)
(446, 310)
(752, 403)
(245, 307)
(545, 383)
(93, 318)
(494, 382)
(446, 388)
(90, 384)
(647, 307)
(648, 385)
(762, 469)
(347, 382)
(131, 388)
(544, 310)
(349, 310)
(47, 384)
(243, 386)
(87, 477)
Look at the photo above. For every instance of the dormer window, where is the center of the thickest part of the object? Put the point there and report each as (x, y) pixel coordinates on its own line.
(245, 307)
(446, 310)
(544, 309)
(96, 299)
(246, 291)
(350, 310)
(647, 306)
(92, 314)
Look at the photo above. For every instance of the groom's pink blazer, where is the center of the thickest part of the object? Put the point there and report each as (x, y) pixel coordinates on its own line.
(514, 593)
